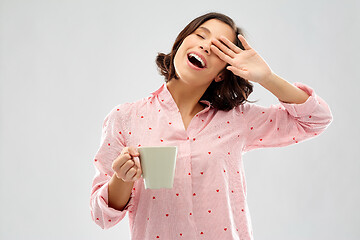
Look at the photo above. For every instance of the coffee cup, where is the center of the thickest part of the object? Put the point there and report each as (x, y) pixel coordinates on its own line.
(158, 166)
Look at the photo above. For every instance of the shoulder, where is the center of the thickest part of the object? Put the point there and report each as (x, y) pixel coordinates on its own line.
(241, 109)
(126, 109)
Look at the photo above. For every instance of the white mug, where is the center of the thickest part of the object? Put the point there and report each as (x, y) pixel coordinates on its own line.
(158, 166)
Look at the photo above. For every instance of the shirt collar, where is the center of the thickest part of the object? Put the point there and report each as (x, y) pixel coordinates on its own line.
(165, 96)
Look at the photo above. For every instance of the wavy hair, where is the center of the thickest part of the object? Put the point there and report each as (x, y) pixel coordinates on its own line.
(224, 95)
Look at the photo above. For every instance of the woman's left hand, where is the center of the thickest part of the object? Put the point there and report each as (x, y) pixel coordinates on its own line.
(244, 63)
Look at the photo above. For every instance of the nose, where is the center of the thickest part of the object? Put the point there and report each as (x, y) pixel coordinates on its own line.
(206, 49)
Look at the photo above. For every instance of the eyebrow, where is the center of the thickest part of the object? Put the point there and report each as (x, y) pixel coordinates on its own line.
(208, 31)
(205, 29)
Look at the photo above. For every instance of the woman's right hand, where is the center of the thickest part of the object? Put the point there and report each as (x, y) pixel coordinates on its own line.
(127, 165)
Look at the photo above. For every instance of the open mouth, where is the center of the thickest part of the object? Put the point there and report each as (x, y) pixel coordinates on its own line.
(196, 60)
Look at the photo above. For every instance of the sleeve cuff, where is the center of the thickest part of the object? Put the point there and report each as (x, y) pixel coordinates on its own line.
(103, 203)
(299, 110)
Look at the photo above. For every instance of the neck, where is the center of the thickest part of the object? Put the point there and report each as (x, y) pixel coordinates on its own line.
(186, 96)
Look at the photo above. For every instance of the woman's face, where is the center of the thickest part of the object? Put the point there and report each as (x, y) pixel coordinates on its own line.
(199, 43)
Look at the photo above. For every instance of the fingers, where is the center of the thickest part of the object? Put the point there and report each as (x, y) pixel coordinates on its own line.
(135, 154)
(244, 42)
(133, 174)
(242, 73)
(133, 151)
(222, 46)
(231, 45)
(130, 152)
(130, 174)
(126, 165)
(138, 174)
(228, 48)
(122, 159)
(221, 55)
(136, 169)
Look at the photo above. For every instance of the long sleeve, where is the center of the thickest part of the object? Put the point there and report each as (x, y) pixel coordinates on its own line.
(285, 123)
(111, 144)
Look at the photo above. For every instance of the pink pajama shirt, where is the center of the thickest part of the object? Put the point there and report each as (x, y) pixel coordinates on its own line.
(208, 198)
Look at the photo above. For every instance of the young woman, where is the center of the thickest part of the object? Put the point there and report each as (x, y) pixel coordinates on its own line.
(203, 109)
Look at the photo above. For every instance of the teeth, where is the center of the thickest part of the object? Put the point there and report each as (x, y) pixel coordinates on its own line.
(198, 58)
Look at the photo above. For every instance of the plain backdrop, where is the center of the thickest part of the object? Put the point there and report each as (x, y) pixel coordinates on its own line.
(66, 64)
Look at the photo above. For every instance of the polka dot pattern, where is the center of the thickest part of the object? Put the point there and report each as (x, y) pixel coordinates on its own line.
(209, 180)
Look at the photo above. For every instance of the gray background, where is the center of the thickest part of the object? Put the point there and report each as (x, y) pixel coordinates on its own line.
(66, 64)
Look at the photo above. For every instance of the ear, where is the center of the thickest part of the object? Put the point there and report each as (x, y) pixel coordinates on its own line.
(220, 77)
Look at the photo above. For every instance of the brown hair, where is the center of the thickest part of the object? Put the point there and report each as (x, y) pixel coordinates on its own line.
(224, 95)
